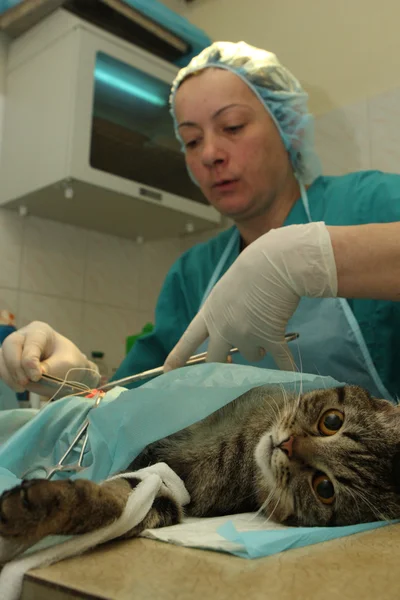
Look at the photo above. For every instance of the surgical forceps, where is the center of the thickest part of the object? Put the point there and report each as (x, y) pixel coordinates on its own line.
(193, 360)
(54, 383)
(83, 430)
(98, 394)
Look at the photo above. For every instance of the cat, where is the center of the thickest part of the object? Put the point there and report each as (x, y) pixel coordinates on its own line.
(323, 458)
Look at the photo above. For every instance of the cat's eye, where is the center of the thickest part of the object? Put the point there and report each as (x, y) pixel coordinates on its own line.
(323, 487)
(330, 422)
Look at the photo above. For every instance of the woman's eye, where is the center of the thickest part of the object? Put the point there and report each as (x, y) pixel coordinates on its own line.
(323, 488)
(330, 422)
(234, 128)
(191, 144)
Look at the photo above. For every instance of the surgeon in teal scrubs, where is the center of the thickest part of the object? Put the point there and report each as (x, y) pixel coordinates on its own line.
(307, 253)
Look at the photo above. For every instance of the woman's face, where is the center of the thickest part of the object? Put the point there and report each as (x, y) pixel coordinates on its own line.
(232, 145)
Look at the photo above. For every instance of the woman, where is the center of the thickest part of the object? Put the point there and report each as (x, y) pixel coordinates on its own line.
(299, 241)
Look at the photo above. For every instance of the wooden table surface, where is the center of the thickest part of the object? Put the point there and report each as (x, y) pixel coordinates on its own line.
(360, 566)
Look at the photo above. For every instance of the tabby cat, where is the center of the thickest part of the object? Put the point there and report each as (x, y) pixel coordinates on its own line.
(327, 457)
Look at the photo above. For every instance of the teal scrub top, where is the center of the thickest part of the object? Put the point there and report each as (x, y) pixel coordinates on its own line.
(353, 199)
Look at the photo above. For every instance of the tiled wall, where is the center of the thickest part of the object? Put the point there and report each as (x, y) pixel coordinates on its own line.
(98, 289)
(365, 135)
(95, 289)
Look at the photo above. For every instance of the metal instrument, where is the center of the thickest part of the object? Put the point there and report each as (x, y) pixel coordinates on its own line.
(76, 388)
(193, 360)
(53, 386)
(76, 467)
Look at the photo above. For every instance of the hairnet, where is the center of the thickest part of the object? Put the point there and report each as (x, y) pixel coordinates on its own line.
(276, 88)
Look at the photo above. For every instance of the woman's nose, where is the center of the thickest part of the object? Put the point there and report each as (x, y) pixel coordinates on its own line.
(213, 153)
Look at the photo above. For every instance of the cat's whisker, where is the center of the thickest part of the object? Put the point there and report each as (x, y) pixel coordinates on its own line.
(300, 370)
(277, 411)
(285, 397)
(286, 402)
(251, 495)
(278, 408)
(282, 391)
(322, 379)
(377, 513)
(263, 505)
(267, 520)
(299, 394)
(297, 404)
(355, 500)
(291, 359)
(292, 411)
(296, 369)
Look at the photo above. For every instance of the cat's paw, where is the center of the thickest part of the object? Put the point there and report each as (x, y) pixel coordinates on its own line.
(39, 507)
(34, 509)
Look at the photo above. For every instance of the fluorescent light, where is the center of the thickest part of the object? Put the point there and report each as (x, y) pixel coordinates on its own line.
(127, 87)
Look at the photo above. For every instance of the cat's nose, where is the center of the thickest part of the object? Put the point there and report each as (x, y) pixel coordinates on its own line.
(287, 446)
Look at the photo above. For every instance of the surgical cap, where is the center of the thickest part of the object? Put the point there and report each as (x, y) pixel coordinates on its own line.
(276, 88)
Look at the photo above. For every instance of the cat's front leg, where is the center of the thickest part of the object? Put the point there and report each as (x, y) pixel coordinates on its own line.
(39, 507)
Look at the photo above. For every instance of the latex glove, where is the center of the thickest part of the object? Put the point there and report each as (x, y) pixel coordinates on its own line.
(250, 306)
(38, 348)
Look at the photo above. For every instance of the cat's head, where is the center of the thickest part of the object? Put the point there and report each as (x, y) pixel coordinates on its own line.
(332, 457)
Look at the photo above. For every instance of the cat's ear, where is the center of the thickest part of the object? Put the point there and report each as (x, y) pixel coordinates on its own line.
(396, 471)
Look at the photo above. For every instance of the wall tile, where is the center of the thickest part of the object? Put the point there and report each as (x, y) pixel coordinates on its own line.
(188, 241)
(63, 314)
(384, 116)
(53, 258)
(11, 239)
(105, 329)
(9, 300)
(112, 271)
(342, 139)
(156, 258)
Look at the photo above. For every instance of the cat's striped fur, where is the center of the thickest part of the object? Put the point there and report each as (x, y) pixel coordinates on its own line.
(266, 450)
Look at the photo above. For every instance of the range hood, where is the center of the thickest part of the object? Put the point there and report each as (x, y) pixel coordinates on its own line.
(115, 16)
(88, 138)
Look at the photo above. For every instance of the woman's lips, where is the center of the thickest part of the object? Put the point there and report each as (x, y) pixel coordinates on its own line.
(225, 185)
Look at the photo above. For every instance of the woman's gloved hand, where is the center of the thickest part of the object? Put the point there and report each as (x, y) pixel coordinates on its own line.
(36, 349)
(250, 306)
